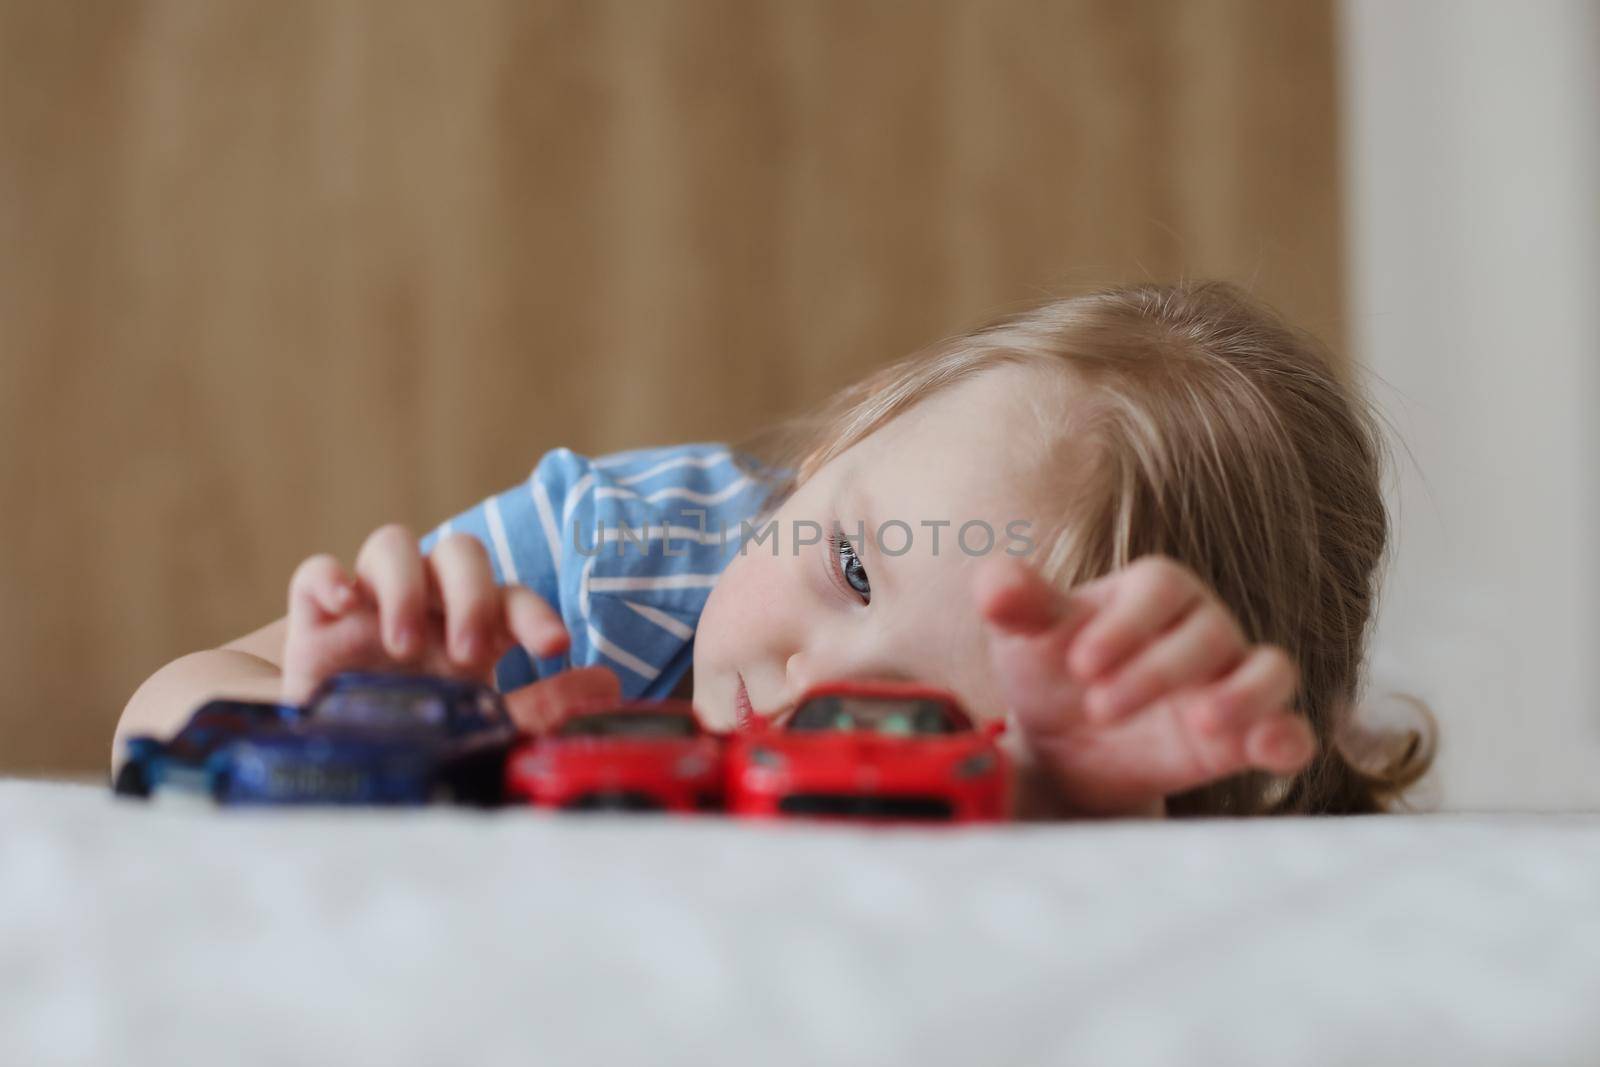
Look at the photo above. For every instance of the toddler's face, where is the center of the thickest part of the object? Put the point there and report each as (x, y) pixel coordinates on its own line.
(894, 603)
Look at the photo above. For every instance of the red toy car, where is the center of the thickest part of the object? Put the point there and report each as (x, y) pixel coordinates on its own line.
(875, 750)
(639, 756)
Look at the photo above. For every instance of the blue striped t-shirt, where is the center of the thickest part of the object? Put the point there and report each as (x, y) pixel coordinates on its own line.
(625, 548)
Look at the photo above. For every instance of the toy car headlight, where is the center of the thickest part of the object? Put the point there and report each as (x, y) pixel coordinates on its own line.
(767, 757)
(979, 763)
(693, 765)
(244, 762)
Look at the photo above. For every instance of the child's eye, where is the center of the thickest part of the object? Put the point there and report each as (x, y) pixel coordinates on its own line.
(848, 567)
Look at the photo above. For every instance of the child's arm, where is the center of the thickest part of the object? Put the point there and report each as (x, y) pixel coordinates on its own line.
(441, 614)
(249, 667)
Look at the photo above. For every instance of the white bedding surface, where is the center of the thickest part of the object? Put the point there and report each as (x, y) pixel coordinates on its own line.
(133, 934)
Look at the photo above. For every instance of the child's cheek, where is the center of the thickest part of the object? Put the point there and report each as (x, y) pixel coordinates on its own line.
(754, 611)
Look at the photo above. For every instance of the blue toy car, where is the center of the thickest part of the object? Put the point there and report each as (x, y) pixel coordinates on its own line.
(184, 763)
(361, 739)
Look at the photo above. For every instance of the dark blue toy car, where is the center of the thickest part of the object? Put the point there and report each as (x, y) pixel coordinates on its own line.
(364, 739)
(184, 763)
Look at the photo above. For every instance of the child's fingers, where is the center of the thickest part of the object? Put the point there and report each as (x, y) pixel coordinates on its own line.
(472, 607)
(1261, 730)
(1171, 745)
(320, 583)
(311, 654)
(1264, 681)
(1016, 599)
(539, 706)
(1275, 740)
(1151, 594)
(1029, 627)
(392, 567)
(533, 623)
(1033, 683)
(1206, 643)
(1280, 744)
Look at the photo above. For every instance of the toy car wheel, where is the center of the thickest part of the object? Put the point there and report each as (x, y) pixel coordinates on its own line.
(442, 793)
(221, 786)
(132, 781)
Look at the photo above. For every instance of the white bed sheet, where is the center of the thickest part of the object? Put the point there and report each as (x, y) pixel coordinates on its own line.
(163, 935)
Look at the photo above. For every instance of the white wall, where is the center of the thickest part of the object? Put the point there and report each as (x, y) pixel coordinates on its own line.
(1472, 142)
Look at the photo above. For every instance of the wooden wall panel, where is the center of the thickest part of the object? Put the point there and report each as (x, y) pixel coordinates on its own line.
(274, 273)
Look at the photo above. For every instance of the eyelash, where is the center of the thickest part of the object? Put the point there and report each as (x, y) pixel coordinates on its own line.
(837, 545)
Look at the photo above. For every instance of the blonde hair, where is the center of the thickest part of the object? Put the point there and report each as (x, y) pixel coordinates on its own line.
(1224, 439)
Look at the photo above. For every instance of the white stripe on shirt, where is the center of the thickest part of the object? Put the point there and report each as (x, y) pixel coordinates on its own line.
(656, 533)
(727, 492)
(583, 586)
(497, 536)
(665, 581)
(621, 655)
(547, 519)
(676, 627)
(579, 487)
(672, 464)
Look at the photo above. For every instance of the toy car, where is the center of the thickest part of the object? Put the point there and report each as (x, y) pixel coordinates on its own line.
(877, 750)
(376, 739)
(184, 763)
(361, 739)
(639, 756)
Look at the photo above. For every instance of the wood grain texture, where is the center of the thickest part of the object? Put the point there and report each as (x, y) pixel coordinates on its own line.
(272, 274)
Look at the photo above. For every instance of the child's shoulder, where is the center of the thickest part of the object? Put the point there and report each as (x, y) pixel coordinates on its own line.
(643, 536)
(698, 454)
(703, 476)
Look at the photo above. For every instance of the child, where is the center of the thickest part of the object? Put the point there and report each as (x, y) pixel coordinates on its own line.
(1146, 523)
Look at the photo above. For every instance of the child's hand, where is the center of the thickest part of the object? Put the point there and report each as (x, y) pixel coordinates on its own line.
(1137, 685)
(438, 614)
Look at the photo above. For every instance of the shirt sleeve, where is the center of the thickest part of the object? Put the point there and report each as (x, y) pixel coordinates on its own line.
(520, 531)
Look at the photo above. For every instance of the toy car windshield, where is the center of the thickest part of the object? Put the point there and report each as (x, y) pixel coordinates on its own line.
(384, 707)
(220, 721)
(874, 715)
(396, 706)
(623, 723)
